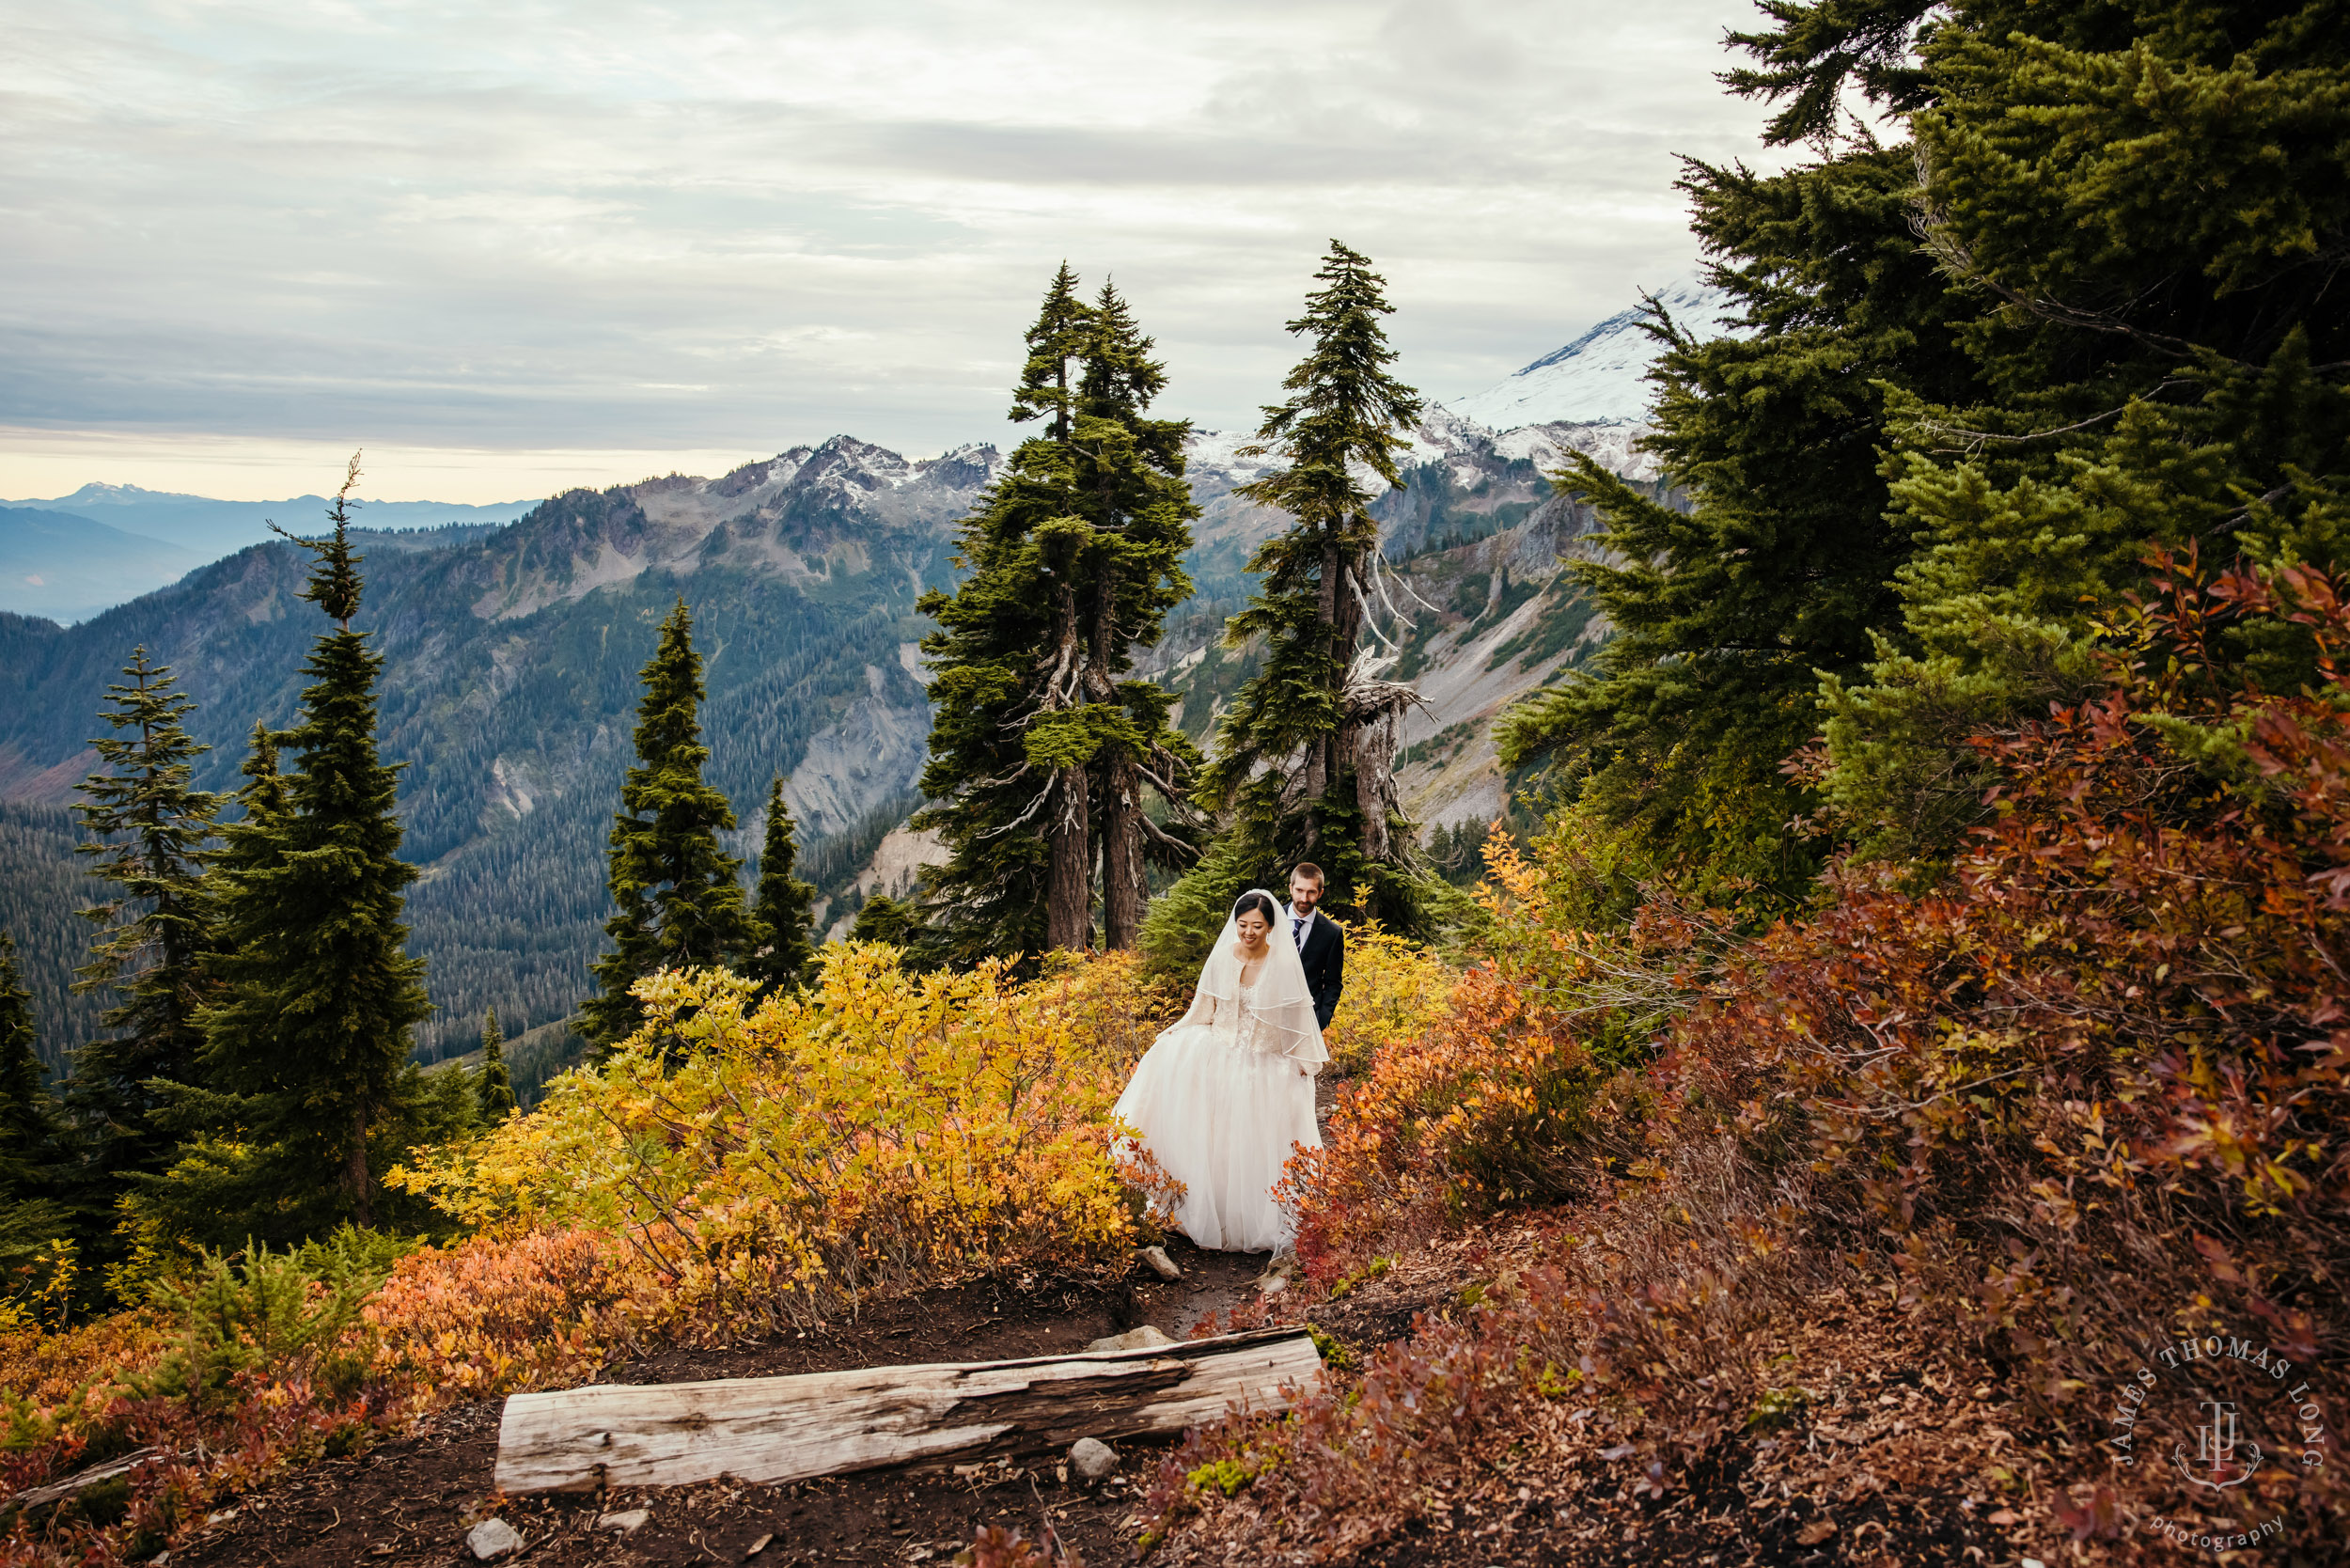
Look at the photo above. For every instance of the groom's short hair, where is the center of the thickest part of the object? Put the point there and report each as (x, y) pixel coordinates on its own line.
(1307, 868)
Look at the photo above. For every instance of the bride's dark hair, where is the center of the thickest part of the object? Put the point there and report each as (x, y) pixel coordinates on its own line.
(1258, 902)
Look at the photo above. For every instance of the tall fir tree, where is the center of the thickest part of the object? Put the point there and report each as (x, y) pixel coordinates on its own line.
(1779, 568)
(1011, 813)
(780, 910)
(1304, 758)
(1140, 508)
(1073, 556)
(35, 1175)
(1925, 483)
(218, 1175)
(149, 830)
(679, 896)
(494, 1089)
(310, 1032)
(2147, 203)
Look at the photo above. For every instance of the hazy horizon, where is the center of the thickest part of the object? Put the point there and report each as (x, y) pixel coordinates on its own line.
(513, 251)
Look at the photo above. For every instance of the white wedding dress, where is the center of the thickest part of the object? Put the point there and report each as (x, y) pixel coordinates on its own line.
(1223, 1097)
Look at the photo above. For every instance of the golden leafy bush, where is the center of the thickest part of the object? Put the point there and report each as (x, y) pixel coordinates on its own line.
(880, 1128)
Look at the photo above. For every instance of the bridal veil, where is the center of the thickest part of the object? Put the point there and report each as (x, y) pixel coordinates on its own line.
(1279, 1001)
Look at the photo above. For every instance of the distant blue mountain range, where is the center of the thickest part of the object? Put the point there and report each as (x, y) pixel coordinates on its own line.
(68, 568)
(70, 558)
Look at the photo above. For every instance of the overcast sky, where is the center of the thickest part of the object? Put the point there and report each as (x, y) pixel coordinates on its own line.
(507, 247)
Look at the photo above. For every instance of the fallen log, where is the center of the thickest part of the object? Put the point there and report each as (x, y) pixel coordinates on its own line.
(58, 1491)
(776, 1429)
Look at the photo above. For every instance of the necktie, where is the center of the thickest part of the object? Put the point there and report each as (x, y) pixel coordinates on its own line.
(1297, 931)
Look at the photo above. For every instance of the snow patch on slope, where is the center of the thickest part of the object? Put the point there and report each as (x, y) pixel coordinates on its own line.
(1600, 378)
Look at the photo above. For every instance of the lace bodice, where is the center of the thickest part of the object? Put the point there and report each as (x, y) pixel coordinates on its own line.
(1238, 1021)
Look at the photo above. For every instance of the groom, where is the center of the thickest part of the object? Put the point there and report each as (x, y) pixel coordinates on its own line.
(1321, 945)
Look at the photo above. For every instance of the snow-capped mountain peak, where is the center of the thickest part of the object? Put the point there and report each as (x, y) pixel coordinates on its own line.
(1600, 377)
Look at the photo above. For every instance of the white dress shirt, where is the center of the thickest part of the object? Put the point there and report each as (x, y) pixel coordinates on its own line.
(1298, 932)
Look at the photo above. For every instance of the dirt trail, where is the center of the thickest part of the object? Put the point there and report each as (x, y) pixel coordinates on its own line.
(411, 1499)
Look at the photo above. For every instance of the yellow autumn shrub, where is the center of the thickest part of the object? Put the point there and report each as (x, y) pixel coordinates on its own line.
(878, 1129)
(1394, 992)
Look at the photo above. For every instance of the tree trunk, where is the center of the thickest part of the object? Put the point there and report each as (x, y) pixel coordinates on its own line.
(1123, 889)
(1069, 875)
(1374, 775)
(1344, 612)
(1375, 725)
(1124, 893)
(771, 1430)
(358, 1186)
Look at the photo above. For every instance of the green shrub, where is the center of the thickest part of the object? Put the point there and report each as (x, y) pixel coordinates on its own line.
(264, 1308)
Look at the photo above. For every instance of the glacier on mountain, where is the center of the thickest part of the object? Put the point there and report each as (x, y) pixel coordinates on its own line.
(1600, 378)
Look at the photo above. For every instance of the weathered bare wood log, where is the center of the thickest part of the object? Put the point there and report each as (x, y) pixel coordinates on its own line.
(58, 1491)
(778, 1429)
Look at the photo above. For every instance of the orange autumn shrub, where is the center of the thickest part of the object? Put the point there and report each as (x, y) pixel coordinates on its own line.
(2078, 1104)
(1510, 1083)
(2091, 1095)
(495, 1313)
(48, 1369)
(729, 1166)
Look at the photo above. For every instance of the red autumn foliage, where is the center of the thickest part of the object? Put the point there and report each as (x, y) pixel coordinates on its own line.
(2105, 1058)
(2081, 1097)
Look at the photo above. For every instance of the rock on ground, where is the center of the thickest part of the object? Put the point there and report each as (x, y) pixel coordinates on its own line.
(493, 1538)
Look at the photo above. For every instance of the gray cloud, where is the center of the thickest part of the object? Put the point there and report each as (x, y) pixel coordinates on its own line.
(723, 225)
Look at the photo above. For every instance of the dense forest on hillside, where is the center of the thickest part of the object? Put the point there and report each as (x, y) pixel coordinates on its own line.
(505, 726)
(43, 887)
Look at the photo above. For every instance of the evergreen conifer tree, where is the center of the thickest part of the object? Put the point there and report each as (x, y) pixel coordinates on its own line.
(1140, 507)
(1305, 756)
(253, 843)
(1074, 558)
(34, 1157)
(781, 910)
(1932, 475)
(149, 830)
(2146, 204)
(28, 1123)
(679, 895)
(309, 1034)
(1781, 568)
(494, 1089)
(218, 1176)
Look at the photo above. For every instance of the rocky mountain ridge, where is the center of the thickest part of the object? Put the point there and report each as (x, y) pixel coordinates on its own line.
(213, 527)
(512, 654)
(512, 662)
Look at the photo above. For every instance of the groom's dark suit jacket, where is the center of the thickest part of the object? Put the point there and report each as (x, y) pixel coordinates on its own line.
(1325, 957)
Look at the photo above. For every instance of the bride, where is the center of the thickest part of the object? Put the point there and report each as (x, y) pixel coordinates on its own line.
(1223, 1096)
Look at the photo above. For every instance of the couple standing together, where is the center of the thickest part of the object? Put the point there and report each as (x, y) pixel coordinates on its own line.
(1222, 1097)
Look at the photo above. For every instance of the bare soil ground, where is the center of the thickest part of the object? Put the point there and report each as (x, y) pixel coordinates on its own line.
(411, 1499)
(1885, 1467)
